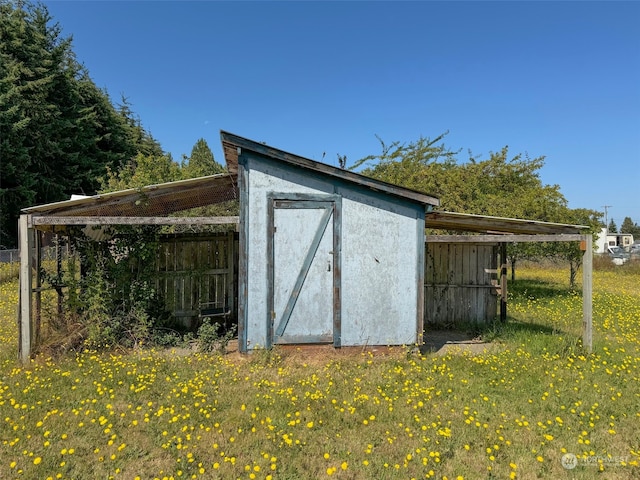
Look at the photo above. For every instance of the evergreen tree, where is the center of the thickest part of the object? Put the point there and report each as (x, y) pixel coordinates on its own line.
(137, 135)
(629, 227)
(58, 131)
(201, 162)
(612, 227)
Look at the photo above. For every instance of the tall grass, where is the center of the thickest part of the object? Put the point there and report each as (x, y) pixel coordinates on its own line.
(512, 412)
(9, 271)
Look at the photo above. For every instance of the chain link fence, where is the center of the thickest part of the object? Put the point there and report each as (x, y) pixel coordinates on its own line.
(10, 261)
(9, 264)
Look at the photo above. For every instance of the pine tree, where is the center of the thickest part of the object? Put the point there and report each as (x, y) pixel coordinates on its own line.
(137, 135)
(58, 131)
(201, 162)
(628, 226)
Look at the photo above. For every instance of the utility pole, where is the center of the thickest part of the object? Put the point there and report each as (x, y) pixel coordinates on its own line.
(606, 223)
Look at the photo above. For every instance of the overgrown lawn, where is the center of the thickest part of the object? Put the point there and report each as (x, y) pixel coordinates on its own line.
(512, 413)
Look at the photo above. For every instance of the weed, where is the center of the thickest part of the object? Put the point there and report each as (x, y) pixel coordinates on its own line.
(212, 337)
(512, 412)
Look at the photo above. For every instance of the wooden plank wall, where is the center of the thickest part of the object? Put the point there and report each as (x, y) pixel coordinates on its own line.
(458, 279)
(458, 284)
(195, 270)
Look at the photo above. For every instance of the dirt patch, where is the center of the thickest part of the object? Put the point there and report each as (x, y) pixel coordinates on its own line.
(439, 342)
(321, 354)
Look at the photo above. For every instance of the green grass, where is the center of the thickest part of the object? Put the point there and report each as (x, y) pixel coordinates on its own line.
(513, 412)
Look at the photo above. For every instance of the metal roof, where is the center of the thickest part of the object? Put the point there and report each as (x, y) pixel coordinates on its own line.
(487, 224)
(153, 200)
(233, 144)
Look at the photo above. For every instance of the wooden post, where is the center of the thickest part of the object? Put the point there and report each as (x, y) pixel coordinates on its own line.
(243, 260)
(587, 292)
(59, 277)
(230, 300)
(503, 282)
(37, 267)
(26, 292)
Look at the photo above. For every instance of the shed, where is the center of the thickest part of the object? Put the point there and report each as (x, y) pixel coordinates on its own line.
(326, 255)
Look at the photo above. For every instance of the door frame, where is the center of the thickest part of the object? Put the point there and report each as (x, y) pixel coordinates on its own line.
(304, 200)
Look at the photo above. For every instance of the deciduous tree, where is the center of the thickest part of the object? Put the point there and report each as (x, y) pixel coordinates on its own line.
(140, 171)
(500, 185)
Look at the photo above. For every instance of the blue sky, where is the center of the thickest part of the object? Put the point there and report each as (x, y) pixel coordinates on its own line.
(553, 79)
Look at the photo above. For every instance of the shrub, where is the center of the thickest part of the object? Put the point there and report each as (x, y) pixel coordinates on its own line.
(110, 289)
(211, 337)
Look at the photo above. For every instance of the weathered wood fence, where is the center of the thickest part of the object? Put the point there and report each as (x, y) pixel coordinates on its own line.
(461, 279)
(194, 270)
(460, 284)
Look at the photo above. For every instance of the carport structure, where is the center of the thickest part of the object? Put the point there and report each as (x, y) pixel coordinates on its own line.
(325, 255)
(500, 231)
(150, 205)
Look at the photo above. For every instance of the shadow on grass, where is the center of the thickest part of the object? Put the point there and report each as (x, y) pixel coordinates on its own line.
(538, 289)
(536, 338)
(516, 326)
(435, 340)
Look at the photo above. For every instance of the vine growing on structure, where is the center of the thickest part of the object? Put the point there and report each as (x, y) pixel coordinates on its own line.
(111, 289)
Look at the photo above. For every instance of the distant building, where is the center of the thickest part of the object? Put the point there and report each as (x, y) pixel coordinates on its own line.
(624, 240)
